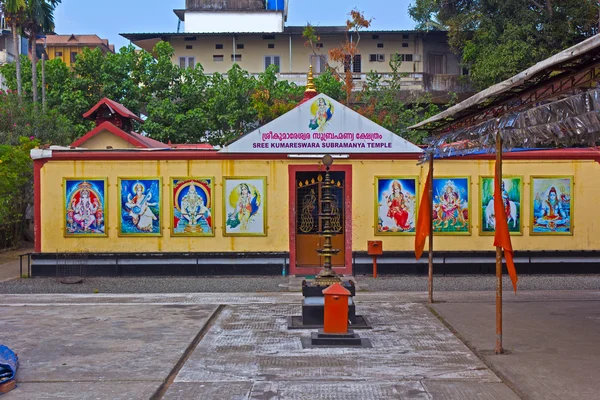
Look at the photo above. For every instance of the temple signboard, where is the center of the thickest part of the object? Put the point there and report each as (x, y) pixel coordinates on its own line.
(321, 125)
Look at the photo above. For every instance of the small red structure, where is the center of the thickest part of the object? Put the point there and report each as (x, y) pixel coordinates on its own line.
(375, 248)
(336, 309)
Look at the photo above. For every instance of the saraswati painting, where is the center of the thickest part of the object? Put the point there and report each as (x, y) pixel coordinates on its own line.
(451, 207)
(85, 207)
(139, 207)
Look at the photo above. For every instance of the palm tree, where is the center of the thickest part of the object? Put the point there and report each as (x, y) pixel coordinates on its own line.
(39, 18)
(13, 12)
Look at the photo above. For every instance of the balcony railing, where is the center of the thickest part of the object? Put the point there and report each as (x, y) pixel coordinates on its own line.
(410, 82)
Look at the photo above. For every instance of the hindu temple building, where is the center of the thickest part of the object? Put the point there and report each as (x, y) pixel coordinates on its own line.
(133, 205)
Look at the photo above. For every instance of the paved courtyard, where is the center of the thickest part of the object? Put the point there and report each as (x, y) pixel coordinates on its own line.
(237, 346)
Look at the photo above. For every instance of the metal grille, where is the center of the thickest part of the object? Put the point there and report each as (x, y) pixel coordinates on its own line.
(308, 193)
(71, 265)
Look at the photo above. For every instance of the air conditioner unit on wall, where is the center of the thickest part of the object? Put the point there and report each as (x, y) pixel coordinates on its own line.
(417, 57)
(380, 57)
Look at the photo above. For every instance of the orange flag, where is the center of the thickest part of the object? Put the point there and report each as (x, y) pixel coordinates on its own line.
(424, 220)
(502, 235)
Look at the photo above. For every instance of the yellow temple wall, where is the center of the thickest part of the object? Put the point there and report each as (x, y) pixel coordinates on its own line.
(586, 193)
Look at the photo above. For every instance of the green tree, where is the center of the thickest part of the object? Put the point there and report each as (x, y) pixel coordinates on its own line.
(38, 18)
(13, 12)
(500, 38)
(16, 190)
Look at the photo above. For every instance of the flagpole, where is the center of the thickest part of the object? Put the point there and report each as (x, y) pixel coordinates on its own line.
(430, 278)
(498, 349)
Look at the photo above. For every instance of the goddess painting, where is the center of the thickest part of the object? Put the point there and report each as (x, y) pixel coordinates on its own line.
(322, 111)
(396, 205)
(85, 204)
(140, 207)
(551, 213)
(244, 206)
(451, 205)
(192, 207)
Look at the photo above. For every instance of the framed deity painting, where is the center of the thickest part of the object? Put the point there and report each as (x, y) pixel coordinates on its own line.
(452, 205)
(140, 206)
(192, 207)
(396, 205)
(85, 207)
(245, 206)
(512, 198)
(551, 205)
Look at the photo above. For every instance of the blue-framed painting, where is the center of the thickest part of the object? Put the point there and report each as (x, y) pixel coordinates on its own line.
(140, 206)
(396, 205)
(452, 205)
(85, 207)
(551, 205)
(192, 207)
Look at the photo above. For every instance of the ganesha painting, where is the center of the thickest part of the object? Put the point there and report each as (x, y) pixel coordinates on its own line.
(85, 205)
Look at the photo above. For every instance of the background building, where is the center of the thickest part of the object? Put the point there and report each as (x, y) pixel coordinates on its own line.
(67, 47)
(7, 46)
(219, 33)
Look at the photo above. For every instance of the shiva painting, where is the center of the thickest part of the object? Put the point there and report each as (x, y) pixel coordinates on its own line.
(85, 207)
(395, 205)
(322, 111)
(551, 206)
(191, 207)
(451, 205)
(512, 198)
(139, 206)
(245, 206)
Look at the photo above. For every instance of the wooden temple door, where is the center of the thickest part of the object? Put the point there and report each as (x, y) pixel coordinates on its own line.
(308, 192)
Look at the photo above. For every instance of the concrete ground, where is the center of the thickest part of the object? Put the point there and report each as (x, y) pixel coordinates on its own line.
(237, 346)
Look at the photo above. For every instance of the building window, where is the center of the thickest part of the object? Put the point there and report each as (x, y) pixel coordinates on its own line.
(73, 56)
(188, 46)
(239, 46)
(404, 44)
(375, 37)
(236, 57)
(58, 54)
(218, 57)
(405, 36)
(380, 45)
(376, 57)
(319, 45)
(402, 57)
(268, 37)
(189, 38)
(356, 64)
(271, 45)
(218, 46)
(273, 60)
(187, 62)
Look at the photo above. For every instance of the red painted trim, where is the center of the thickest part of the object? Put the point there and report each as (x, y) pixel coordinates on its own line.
(37, 203)
(347, 169)
(107, 126)
(589, 153)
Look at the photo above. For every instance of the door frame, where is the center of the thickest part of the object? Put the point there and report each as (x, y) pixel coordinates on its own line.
(347, 169)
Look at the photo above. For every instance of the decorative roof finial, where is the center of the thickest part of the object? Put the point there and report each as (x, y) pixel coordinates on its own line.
(310, 85)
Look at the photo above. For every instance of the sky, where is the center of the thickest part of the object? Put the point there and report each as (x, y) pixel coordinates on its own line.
(108, 18)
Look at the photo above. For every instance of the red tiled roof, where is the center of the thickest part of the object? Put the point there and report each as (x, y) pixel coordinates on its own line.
(117, 107)
(76, 40)
(133, 138)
